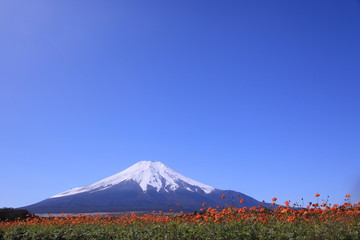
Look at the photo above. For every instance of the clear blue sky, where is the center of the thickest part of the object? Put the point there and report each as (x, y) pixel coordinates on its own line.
(261, 97)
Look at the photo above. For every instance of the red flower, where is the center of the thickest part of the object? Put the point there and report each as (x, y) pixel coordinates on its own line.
(223, 196)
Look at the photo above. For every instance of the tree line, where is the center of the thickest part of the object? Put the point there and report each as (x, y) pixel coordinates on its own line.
(11, 214)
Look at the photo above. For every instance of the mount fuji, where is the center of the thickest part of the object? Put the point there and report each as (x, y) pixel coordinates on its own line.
(145, 186)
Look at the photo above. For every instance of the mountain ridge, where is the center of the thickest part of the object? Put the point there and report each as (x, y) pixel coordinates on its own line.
(146, 173)
(144, 186)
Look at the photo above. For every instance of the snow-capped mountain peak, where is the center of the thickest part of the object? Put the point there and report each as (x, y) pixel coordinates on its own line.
(147, 174)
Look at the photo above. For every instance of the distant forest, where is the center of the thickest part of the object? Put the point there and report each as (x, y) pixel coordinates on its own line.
(11, 214)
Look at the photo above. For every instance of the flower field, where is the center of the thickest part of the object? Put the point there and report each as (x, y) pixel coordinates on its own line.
(316, 221)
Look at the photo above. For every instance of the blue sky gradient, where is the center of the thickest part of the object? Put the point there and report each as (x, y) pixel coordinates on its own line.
(261, 97)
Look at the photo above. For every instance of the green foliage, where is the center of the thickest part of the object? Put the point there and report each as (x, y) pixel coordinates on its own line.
(11, 214)
(201, 231)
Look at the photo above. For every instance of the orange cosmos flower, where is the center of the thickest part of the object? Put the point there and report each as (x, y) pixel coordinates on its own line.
(317, 195)
(203, 204)
(274, 199)
(348, 196)
(241, 201)
(223, 196)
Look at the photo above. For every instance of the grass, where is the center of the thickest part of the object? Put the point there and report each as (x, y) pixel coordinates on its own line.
(282, 222)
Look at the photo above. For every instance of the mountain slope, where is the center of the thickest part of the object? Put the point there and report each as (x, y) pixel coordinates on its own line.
(145, 186)
(147, 174)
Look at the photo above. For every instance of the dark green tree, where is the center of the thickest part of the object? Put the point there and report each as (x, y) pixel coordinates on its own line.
(11, 214)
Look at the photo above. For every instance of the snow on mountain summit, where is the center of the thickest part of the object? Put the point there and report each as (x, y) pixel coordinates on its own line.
(145, 173)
